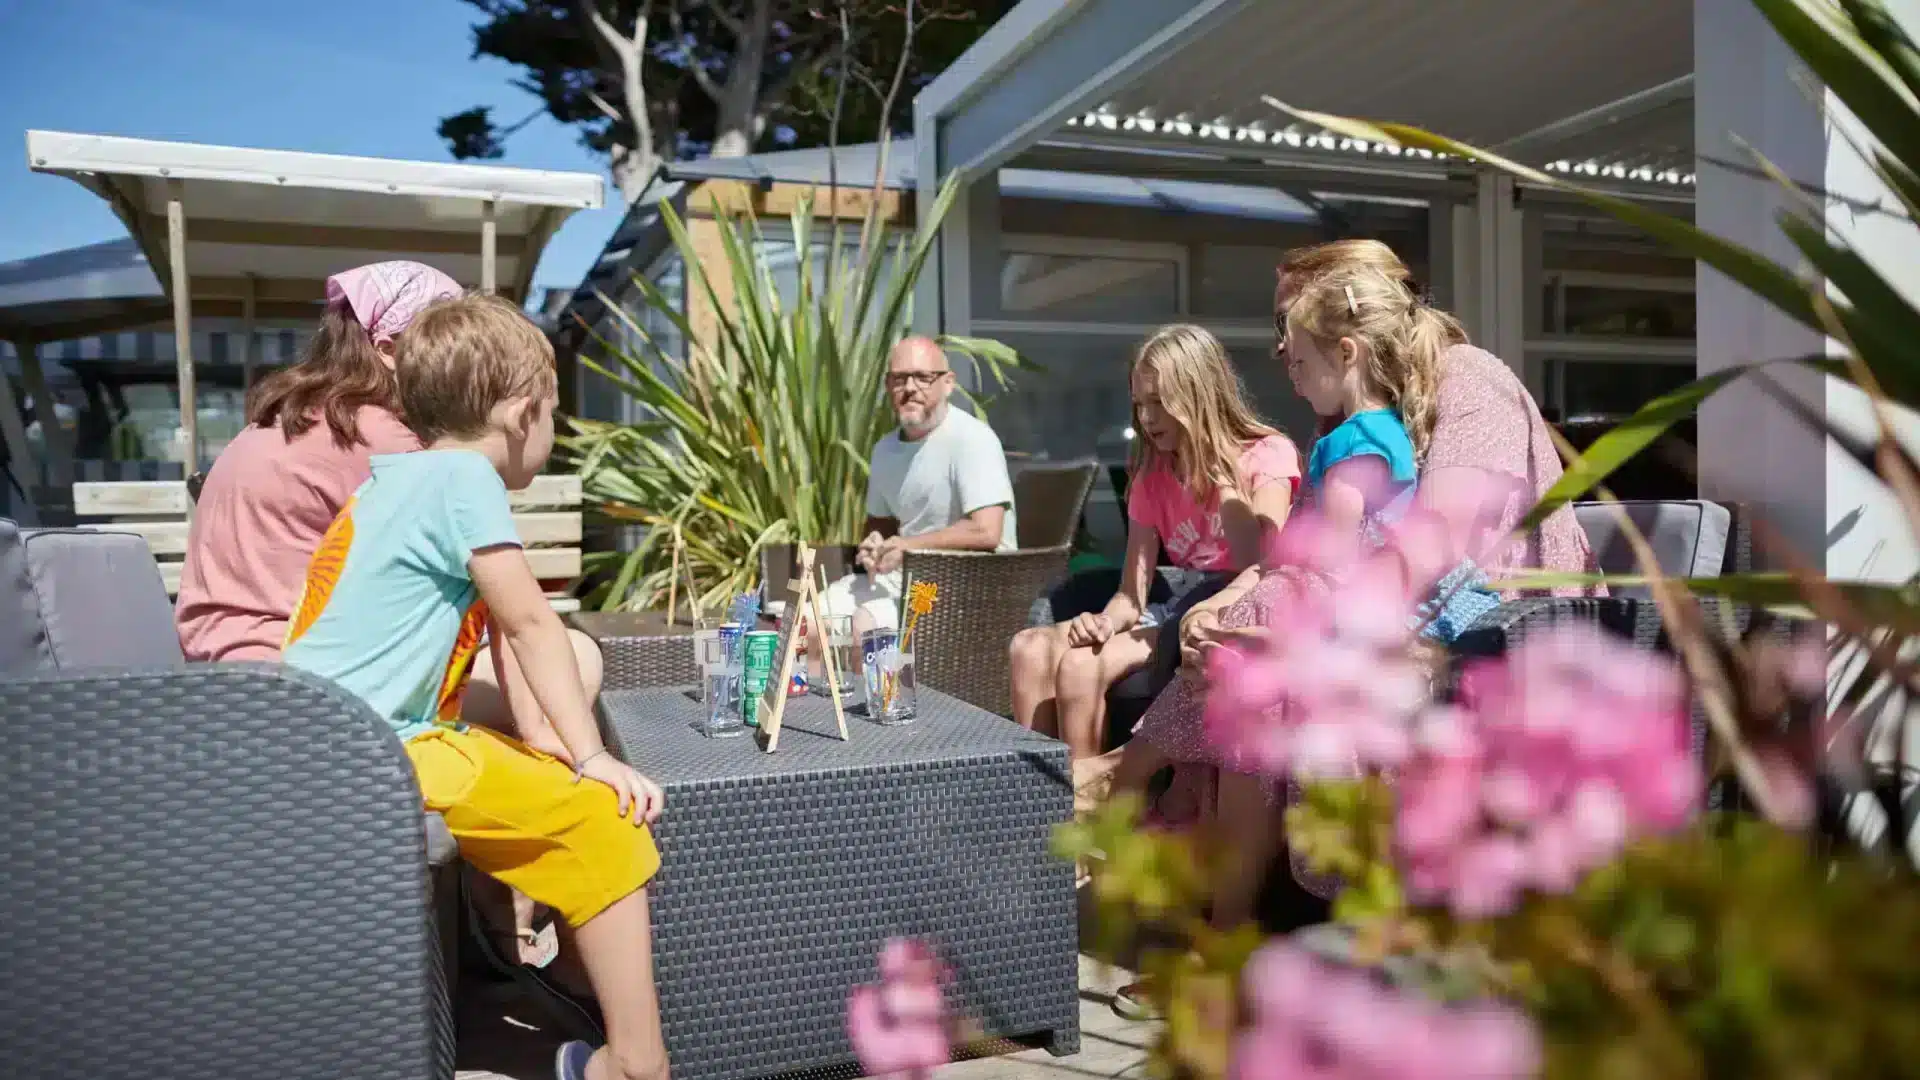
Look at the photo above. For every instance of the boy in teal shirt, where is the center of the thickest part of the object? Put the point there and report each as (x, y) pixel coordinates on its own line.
(421, 564)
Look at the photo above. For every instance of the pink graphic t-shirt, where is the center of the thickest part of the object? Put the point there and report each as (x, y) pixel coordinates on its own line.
(1191, 533)
(265, 506)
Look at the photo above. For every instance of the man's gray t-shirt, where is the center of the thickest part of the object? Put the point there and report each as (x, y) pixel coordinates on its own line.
(932, 483)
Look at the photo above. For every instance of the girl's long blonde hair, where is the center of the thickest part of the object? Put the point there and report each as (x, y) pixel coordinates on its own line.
(1200, 391)
(1404, 336)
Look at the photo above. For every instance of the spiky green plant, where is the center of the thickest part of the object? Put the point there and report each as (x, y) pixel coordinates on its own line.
(759, 433)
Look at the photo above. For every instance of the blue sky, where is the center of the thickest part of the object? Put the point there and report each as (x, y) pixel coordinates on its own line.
(369, 77)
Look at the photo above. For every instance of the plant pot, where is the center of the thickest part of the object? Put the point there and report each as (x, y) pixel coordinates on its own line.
(835, 561)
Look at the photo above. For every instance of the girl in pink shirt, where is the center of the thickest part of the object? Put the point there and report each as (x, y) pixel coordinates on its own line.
(274, 490)
(1209, 479)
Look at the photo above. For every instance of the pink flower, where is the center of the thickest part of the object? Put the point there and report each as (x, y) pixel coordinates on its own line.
(1331, 687)
(900, 1026)
(1559, 756)
(1314, 1021)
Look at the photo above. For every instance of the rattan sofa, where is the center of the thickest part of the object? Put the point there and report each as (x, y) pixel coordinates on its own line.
(212, 869)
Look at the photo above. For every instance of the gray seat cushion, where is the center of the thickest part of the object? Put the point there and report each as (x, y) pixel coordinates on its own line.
(99, 599)
(75, 598)
(1689, 538)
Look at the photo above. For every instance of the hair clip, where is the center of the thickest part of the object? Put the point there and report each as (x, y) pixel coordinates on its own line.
(1352, 308)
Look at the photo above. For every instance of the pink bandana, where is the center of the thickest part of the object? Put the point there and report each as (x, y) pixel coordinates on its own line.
(386, 296)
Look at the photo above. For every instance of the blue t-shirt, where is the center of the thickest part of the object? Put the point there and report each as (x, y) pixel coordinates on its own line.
(389, 611)
(1373, 433)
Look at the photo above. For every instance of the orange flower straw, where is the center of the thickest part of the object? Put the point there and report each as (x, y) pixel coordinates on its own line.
(920, 598)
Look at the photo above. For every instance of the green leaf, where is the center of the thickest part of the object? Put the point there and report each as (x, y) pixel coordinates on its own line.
(1882, 324)
(1887, 38)
(1831, 48)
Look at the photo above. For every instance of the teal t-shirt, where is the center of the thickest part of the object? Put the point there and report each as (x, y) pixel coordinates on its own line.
(1373, 433)
(389, 611)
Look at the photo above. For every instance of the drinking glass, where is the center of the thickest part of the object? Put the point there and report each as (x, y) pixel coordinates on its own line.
(709, 655)
(719, 677)
(887, 678)
(836, 635)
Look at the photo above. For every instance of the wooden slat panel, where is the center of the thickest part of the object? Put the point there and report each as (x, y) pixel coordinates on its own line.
(549, 527)
(547, 490)
(170, 537)
(130, 497)
(554, 564)
(133, 498)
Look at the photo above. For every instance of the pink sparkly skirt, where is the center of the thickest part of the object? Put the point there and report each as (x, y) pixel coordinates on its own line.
(1175, 725)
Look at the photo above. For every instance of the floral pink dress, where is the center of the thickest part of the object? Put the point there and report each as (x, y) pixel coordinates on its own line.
(1486, 421)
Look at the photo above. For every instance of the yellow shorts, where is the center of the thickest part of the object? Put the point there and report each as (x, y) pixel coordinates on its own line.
(520, 818)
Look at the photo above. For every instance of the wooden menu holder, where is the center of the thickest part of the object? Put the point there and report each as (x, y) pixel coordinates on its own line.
(803, 606)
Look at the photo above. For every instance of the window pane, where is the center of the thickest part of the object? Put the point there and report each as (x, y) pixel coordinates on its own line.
(1076, 288)
(1080, 405)
(1613, 388)
(1619, 312)
(1599, 394)
(1236, 282)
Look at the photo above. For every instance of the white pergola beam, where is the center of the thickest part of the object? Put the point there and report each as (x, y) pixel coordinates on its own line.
(68, 152)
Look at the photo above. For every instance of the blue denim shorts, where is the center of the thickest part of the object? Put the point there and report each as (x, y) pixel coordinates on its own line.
(1188, 587)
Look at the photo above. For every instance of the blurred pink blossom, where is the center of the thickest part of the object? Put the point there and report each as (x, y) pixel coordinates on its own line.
(899, 1026)
(1311, 1019)
(1557, 756)
(1330, 686)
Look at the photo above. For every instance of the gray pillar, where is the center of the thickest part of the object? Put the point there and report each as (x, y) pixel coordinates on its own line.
(1751, 450)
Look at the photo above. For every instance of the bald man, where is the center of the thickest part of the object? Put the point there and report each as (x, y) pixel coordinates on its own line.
(940, 482)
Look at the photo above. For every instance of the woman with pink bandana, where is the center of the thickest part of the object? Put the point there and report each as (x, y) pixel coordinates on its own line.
(275, 489)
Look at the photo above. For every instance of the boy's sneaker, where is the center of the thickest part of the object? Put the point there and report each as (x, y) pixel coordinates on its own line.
(570, 1061)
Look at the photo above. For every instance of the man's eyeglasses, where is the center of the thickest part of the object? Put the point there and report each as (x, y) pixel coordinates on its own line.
(919, 380)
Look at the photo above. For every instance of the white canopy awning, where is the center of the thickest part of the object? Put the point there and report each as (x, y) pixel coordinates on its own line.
(255, 233)
(289, 219)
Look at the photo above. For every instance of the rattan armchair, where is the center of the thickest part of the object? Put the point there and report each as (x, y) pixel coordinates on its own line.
(985, 597)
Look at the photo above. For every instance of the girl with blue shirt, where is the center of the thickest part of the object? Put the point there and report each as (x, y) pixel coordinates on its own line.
(1353, 353)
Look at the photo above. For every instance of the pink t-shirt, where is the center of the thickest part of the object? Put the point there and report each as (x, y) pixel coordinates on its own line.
(261, 514)
(1191, 533)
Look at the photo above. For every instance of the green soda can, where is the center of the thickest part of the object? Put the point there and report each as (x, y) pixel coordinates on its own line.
(762, 648)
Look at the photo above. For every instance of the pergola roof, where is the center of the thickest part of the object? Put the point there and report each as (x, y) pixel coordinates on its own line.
(289, 219)
(1599, 89)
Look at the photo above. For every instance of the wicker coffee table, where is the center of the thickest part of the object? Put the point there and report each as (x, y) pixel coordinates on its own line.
(783, 875)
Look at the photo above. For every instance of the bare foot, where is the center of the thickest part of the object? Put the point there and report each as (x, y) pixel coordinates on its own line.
(1092, 781)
